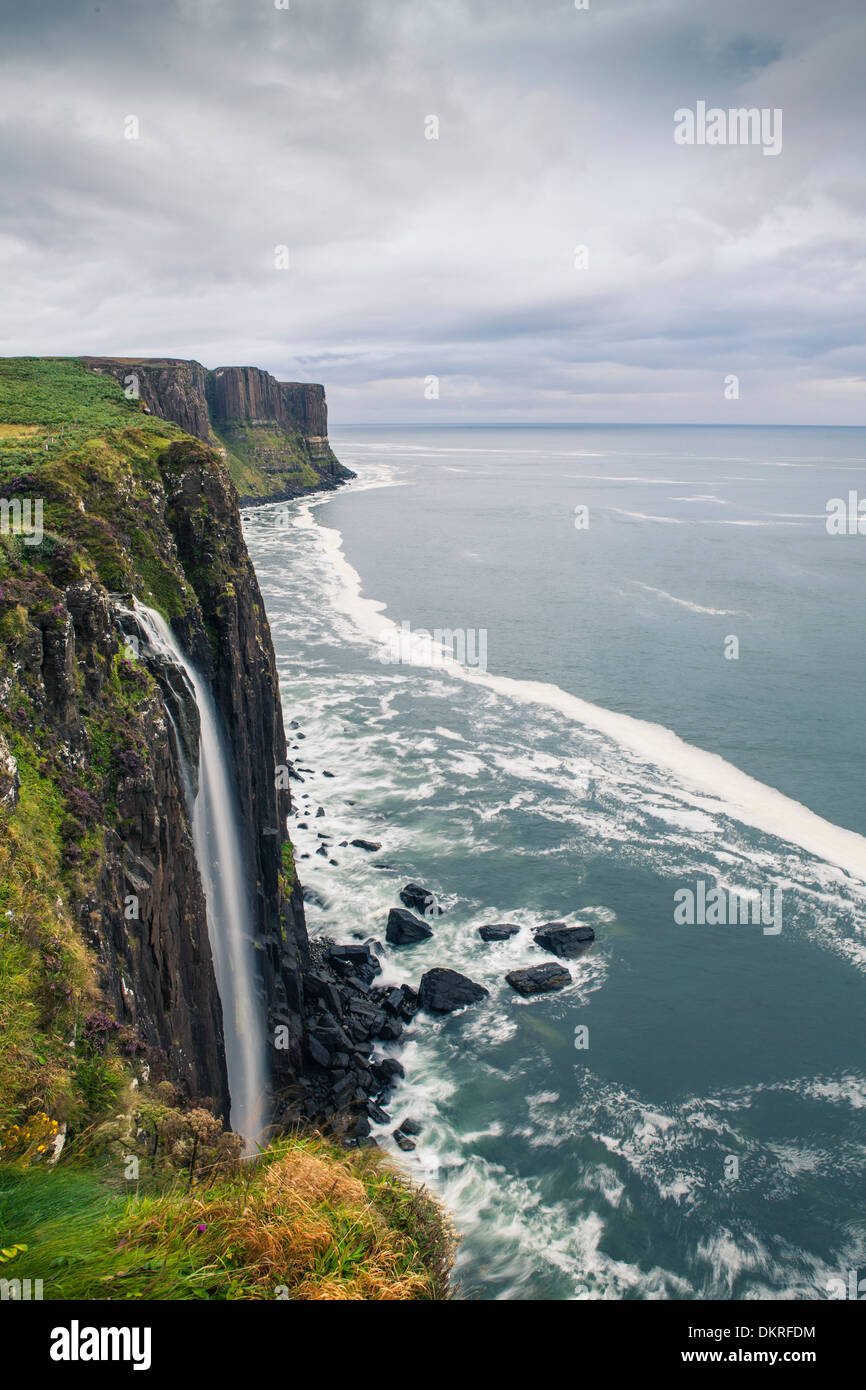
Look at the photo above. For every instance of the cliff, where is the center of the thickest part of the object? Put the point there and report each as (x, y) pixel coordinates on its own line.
(105, 908)
(114, 1087)
(272, 434)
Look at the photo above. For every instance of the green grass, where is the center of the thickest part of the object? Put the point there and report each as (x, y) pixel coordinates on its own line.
(306, 1220)
(45, 977)
(59, 392)
(267, 460)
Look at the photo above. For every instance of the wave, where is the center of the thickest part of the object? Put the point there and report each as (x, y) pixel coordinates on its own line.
(722, 788)
(694, 607)
(697, 521)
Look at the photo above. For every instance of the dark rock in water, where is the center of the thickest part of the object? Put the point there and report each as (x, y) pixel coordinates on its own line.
(421, 899)
(404, 930)
(376, 1113)
(327, 774)
(320, 812)
(311, 896)
(302, 825)
(293, 724)
(400, 1000)
(563, 940)
(354, 960)
(387, 1070)
(370, 845)
(344, 844)
(498, 931)
(441, 991)
(390, 1030)
(539, 979)
(321, 850)
(410, 1002)
(410, 1126)
(403, 1142)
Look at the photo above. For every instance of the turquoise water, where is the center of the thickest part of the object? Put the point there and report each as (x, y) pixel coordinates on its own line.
(709, 1142)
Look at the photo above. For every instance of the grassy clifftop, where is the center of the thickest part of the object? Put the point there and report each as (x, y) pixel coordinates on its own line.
(306, 1220)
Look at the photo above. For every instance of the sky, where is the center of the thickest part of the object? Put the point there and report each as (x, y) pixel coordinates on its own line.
(155, 156)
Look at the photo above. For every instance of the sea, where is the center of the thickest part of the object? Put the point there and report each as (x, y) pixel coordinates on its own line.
(611, 677)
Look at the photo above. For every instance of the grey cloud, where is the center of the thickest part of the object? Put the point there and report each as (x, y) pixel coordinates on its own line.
(455, 257)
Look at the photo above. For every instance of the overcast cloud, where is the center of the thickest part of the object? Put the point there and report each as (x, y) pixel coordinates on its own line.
(453, 257)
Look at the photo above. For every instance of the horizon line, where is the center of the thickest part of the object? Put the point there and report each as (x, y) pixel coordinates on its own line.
(587, 425)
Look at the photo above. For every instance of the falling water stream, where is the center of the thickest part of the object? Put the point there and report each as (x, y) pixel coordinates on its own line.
(217, 840)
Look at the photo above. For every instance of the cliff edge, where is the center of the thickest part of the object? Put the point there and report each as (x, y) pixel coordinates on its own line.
(273, 435)
(105, 915)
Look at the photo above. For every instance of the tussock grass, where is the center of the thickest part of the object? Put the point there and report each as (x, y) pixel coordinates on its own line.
(303, 1221)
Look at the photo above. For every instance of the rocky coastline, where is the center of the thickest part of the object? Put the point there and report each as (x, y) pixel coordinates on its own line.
(136, 509)
(351, 1013)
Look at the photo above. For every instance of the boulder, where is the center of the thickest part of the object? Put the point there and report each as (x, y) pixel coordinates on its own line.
(404, 930)
(354, 960)
(442, 991)
(386, 1070)
(539, 979)
(421, 899)
(562, 940)
(318, 1052)
(403, 1142)
(369, 845)
(498, 931)
(311, 896)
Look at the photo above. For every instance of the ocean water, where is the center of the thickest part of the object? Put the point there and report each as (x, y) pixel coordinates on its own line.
(666, 696)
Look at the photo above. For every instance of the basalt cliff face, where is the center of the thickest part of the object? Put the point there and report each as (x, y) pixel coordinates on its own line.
(97, 739)
(272, 434)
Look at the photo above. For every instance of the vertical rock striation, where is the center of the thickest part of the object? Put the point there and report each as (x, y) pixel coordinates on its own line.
(273, 434)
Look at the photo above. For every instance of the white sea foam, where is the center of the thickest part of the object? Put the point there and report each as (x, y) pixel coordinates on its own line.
(698, 521)
(727, 790)
(694, 607)
(649, 814)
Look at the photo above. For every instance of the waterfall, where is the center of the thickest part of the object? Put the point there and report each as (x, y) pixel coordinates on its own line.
(218, 849)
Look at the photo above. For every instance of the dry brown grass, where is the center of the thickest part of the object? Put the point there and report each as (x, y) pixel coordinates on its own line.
(13, 431)
(309, 1222)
